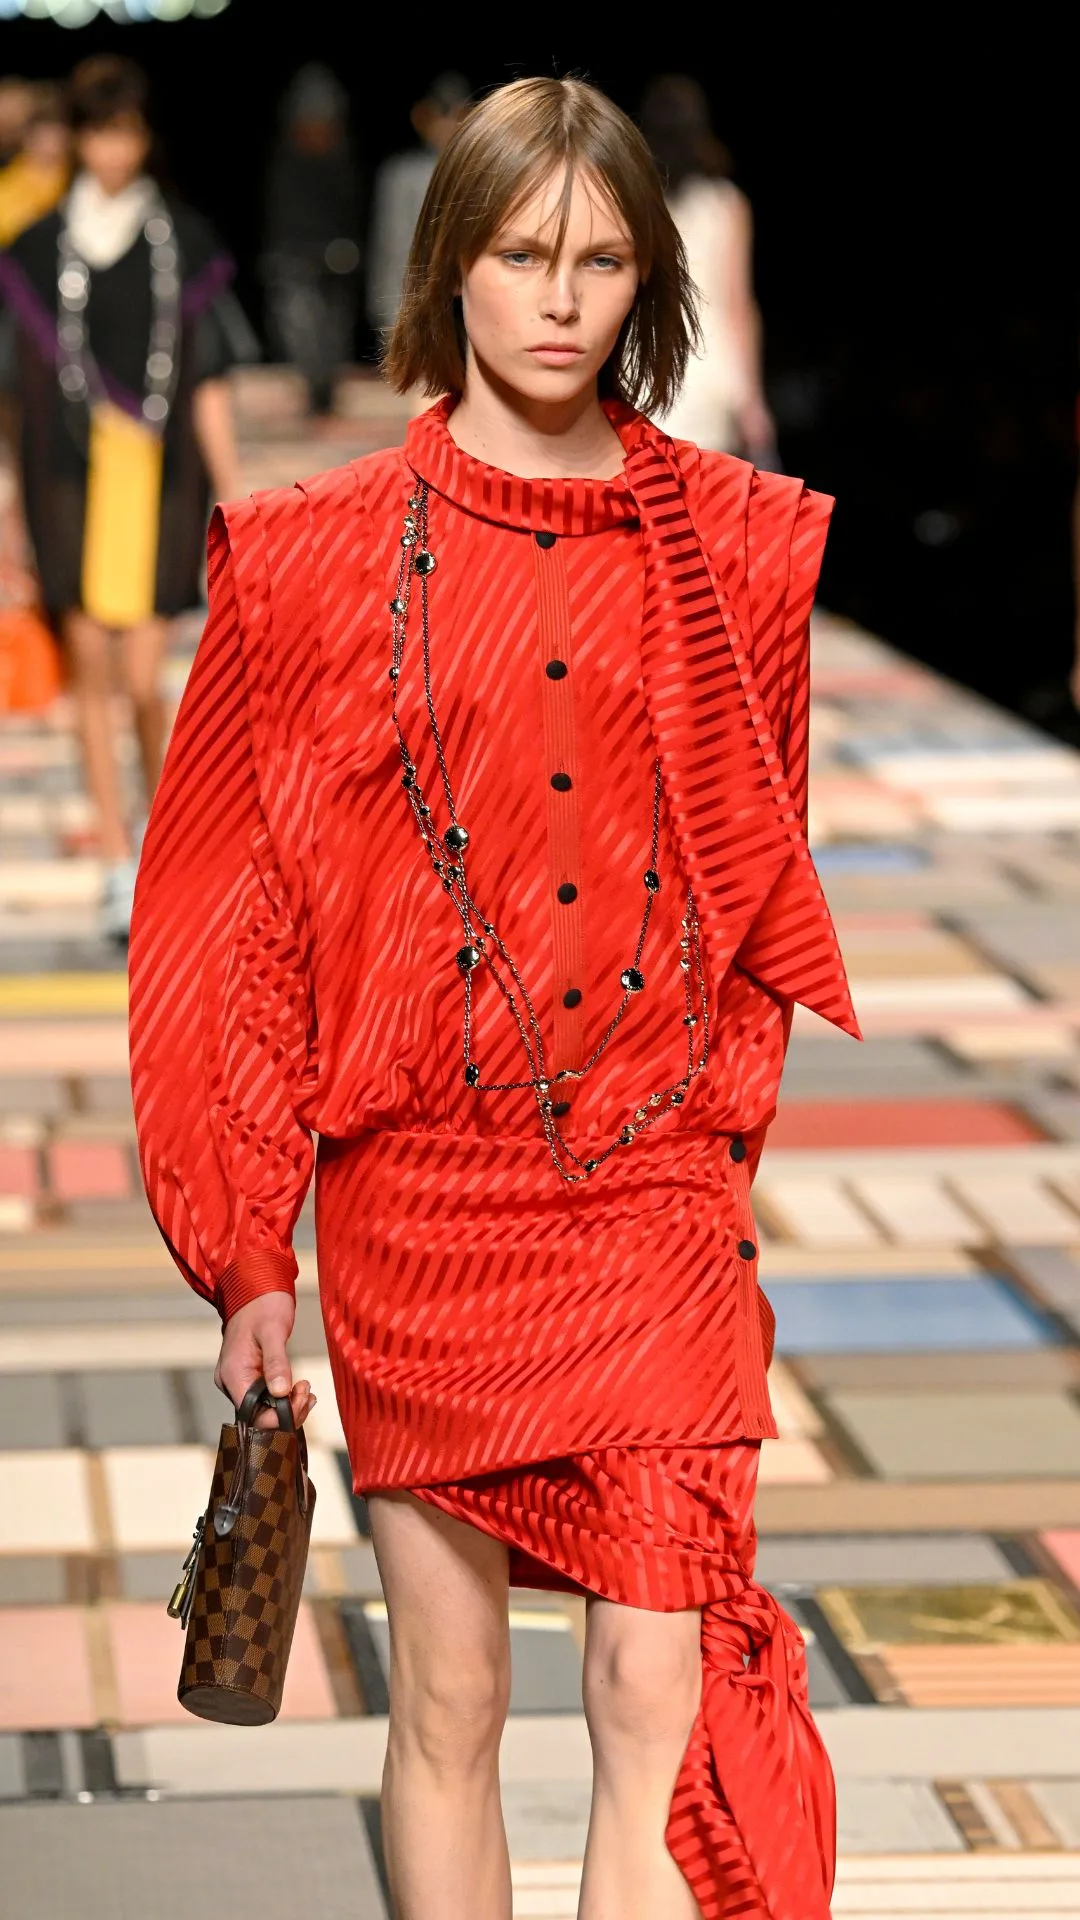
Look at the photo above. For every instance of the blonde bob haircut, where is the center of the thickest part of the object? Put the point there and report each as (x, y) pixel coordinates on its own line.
(505, 149)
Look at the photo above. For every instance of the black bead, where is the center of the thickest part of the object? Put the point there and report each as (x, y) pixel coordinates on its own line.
(556, 669)
(677, 1099)
(566, 894)
(738, 1150)
(652, 880)
(572, 997)
(560, 1109)
(561, 782)
(456, 839)
(424, 562)
(397, 606)
(591, 1166)
(472, 1074)
(632, 980)
(468, 958)
(394, 675)
(747, 1250)
(544, 538)
(626, 1136)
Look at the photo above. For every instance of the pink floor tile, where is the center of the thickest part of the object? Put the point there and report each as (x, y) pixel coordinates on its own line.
(147, 1648)
(18, 1171)
(1065, 1547)
(89, 1170)
(899, 1123)
(64, 1046)
(45, 1673)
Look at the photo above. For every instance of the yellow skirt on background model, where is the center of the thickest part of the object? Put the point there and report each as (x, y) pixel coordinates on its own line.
(123, 518)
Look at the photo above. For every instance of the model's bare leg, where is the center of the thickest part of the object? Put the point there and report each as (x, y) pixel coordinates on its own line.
(642, 1688)
(89, 645)
(144, 652)
(447, 1595)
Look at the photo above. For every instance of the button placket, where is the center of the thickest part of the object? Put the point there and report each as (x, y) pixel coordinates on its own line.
(564, 847)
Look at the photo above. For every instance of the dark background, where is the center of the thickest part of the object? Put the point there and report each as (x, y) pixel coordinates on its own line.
(914, 189)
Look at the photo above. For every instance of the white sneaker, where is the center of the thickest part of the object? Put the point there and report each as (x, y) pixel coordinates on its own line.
(117, 900)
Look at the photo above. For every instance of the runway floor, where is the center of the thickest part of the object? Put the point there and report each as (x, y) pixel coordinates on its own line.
(919, 1214)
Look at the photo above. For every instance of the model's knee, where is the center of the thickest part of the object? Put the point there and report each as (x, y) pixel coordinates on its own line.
(642, 1690)
(450, 1716)
(144, 688)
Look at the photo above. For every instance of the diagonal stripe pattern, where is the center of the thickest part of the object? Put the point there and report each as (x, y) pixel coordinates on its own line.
(293, 974)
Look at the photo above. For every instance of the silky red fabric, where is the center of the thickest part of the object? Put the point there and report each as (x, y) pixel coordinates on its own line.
(293, 974)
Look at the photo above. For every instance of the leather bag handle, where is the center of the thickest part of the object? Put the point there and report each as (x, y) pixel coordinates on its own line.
(258, 1396)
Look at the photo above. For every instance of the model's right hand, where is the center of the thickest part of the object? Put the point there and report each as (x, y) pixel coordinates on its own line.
(255, 1343)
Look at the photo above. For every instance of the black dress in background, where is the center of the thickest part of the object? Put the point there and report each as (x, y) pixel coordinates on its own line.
(55, 430)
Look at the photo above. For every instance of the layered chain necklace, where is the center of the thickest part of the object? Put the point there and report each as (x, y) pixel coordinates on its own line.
(79, 374)
(447, 850)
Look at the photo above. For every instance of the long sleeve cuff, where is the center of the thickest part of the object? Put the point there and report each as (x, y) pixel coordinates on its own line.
(252, 1274)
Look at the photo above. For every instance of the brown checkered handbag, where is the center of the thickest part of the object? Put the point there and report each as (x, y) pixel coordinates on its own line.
(239, 1591)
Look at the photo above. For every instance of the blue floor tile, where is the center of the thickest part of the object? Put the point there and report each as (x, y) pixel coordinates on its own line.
(924, 1315)
(869, 856)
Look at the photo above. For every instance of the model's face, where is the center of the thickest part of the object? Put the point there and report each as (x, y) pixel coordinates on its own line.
(115, 154)
(540, 321)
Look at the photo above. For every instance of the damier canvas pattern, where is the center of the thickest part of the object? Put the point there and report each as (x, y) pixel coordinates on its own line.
(247, 1587)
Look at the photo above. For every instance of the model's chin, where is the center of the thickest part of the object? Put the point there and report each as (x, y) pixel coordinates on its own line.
(540, 380)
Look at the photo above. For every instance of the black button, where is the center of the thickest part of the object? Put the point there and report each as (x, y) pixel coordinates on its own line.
(556, 669)
(544, 539)
(560, 1109)
(561, 782)
(572, 997)
(567, 893)
(738, 1149)
(747, 1250)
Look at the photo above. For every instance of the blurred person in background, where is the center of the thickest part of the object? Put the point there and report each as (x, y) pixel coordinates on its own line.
(33, 182)
(311, 259)
(400, 185)
(125, 429)
(722, 403)
(16, 100)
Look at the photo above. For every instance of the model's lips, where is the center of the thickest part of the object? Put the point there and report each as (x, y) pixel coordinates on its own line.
(556, 350)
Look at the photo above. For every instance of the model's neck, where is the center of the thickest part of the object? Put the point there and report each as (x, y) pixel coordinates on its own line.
(536, 440)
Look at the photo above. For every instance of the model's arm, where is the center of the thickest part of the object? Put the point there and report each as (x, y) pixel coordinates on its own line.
(216, 435)
(754, 419)
(220, 999)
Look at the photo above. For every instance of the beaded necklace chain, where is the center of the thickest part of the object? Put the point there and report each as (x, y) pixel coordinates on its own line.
(483, 945)
(79, 374)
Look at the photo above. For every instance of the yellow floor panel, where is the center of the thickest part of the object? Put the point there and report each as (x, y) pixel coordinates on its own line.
(58, 993)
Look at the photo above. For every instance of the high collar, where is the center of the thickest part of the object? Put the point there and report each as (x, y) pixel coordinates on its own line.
(559, 506)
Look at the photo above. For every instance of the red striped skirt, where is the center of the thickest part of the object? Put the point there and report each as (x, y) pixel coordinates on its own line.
(753, 1816)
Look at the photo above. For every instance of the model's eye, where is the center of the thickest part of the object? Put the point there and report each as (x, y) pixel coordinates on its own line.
(607, 262)
(518, 258)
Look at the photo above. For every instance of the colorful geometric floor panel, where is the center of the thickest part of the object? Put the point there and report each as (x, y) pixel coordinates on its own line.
(919, 1212)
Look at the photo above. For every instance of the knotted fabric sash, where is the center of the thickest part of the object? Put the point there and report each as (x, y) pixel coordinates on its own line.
(752, 1820)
